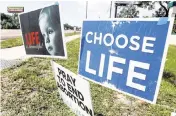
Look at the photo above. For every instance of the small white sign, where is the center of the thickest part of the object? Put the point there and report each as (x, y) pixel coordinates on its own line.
(74, 90)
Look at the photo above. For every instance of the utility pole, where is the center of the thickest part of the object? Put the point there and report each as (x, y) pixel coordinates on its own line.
(110, 9)
(115, 16)
(86, 8)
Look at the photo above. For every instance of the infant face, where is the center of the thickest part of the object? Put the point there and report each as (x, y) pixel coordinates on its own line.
(50, 34)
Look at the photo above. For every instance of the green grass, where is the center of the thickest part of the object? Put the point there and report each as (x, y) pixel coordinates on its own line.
(18, 41)
(70, 34)
(30, 89)
(171, 60)
(11, 43)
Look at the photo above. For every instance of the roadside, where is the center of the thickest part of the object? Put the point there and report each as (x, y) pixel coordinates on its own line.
(12, 42)
(17, 40)
(30, 89)
(10, 33)
(15, 33)
(15, 55)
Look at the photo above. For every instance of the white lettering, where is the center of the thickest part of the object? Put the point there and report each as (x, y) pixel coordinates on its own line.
(134, 43)
(132, 74)
(88, 69)
(97, 38)
(125, 43)
(111, 39)
(111, 68)
(87, 34)
(145, 44)
(101, 68)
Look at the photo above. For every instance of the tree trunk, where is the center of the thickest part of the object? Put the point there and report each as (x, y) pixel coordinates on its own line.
(166, 10)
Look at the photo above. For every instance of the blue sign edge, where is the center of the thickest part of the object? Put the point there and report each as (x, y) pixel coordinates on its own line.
(171, 19)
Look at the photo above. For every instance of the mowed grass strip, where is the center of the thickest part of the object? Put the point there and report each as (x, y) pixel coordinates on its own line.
(18, 41)
(71, 34)
(11, 43)
(171, 60)
(30, 89)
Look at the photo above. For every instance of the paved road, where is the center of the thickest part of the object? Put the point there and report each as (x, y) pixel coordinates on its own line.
(10, 33)
(13, 33)
(14, 56)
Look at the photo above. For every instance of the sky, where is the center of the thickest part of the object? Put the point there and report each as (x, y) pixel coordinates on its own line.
(73, 12)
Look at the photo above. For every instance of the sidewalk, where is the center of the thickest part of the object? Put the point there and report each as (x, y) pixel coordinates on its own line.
(15, 55)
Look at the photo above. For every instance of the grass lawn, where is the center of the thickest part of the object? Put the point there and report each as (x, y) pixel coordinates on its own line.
(30, 89)
(171, 60)
(18, 41)
(70, 34)
(11, 43)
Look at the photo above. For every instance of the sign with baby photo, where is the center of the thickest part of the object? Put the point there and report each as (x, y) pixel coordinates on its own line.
(43, 33)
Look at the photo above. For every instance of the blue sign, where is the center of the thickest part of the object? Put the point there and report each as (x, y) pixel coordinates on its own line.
(126, 55)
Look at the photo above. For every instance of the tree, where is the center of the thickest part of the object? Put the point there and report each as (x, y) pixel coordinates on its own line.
(129, 12)
(67, 26)
(15, 21)
(163, 11)
(130, 8)
(132, 11)
(9, 22)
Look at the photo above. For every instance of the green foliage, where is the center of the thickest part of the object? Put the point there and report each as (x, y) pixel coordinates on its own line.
(9, 22)
(131, 11)
(163, 11)
(67, 26)
(128, 12)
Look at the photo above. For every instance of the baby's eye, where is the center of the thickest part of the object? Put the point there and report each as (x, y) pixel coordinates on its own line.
(50, 31)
